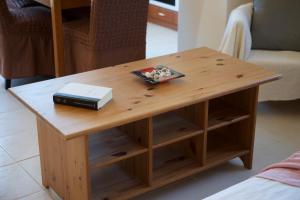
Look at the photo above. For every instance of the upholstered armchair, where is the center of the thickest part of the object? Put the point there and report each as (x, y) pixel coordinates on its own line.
(237, 42)
(25, 42)
(115, 33)
(13, 4)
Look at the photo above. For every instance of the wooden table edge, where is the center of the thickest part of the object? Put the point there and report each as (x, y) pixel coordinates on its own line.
(68, 136)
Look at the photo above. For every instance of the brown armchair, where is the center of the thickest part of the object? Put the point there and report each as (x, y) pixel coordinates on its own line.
(21, 3)
(11, 4)
(26, 47)
(114, 34)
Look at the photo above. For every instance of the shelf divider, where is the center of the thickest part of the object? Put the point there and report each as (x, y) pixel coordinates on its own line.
(142, 132)
(198, 114)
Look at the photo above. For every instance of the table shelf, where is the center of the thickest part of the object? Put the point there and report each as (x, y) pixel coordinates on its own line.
(225, 153)
(167, 173)
(223, 114)
(173, 162)
(111, 146)
(171, 128)
(114, 183)
(226, 143)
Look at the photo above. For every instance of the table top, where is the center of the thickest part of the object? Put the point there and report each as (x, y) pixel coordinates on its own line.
(209, 74)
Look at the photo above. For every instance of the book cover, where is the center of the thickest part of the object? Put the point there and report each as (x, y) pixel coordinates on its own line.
(83, 95)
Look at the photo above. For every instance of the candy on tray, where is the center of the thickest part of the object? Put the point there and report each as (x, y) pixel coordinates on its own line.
(158, 74)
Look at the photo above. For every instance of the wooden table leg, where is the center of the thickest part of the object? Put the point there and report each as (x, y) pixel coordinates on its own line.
(78, 179)
(42, 137)
(56, 13)
(251, 97)
(64, 163)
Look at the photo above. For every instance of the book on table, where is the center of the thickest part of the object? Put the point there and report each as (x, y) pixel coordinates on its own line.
(83, 95)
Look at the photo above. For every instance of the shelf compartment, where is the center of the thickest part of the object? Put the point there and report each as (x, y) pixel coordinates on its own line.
(225, 153)
(111, 146)
(226, 143)
(114, 182)
(223, 114)
(174, 162)
(170, 128)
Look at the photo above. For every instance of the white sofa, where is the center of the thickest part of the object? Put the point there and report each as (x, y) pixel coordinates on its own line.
(237, 42)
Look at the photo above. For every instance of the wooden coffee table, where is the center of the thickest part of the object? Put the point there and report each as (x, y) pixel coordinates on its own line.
(147, 136)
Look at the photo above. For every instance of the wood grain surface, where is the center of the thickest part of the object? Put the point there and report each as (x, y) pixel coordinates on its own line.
(209, 74)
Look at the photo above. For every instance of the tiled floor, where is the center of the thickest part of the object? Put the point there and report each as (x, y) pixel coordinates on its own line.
(278, 136)
(160, 41)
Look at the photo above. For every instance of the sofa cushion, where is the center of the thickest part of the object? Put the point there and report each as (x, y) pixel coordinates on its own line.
(286, 63)
(275, 25)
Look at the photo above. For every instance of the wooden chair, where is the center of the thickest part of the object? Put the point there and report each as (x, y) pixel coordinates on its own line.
(26, 47)
(115, 33)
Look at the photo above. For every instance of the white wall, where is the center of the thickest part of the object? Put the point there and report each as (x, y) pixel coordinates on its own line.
(202, 22)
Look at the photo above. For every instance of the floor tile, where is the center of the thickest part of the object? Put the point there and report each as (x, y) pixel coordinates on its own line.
(9, 103)
(2, 89)
(4, 158)
(33, 167)
(17, 122)
(16, 183)
(160, 41)
(42, 195)
(54, 195)
(20, 146)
